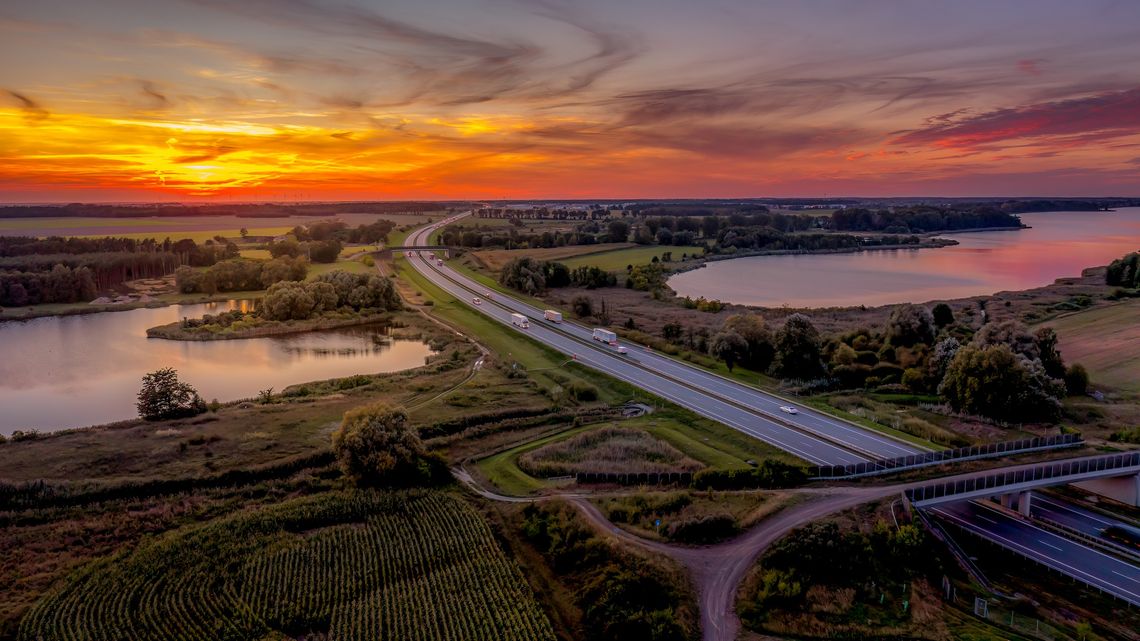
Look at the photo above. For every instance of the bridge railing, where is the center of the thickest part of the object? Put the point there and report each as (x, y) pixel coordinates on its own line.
(1044, 471)
(923, 459)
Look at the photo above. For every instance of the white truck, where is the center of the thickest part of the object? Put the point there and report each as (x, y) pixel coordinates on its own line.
(552, 316)
(605, 335)
(520, 321)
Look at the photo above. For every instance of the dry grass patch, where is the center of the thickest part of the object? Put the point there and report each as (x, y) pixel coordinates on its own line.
(1106, 340)
(607, 450)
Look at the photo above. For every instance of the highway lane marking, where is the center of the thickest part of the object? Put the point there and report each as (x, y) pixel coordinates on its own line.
(1034, 554)
(986, 518)
(1049, 544)
(1126, 576)
(1079, 512)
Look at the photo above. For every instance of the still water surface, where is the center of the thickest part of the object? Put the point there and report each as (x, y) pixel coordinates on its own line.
(74, 371)
(1059, 244)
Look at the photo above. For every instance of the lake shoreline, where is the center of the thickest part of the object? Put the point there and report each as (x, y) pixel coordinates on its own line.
(8, 314)
(175, 332)
(1046, 248)
(702, 261)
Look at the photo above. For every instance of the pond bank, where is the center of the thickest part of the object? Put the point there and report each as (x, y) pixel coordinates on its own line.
(176, 331)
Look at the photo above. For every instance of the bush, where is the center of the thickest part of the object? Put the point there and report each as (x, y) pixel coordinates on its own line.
(703, 529)
(769, 474)
(1076, 380)
(583, 392)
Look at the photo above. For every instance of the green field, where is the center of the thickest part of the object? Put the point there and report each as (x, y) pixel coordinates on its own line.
(351, 266)
(343, 565)
(618, 260)
(1106, 341)
(256, 254)
(713, 444)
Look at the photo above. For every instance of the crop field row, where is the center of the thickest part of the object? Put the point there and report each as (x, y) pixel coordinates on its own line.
(346, 566)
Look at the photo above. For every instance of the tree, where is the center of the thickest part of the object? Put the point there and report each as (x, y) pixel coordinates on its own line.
(943, 315)
(729, 346)
(1124, 272)
(287, 301)
(524, 274)
(618, 231)
(1046, 340)
(1011, 333)
(754, 331)
(163, 396)
(910, 324)
(710, 226)
(995, 381)
(944, 352)
(582, 306)
(285, 247)
(797, 349)
(376, 445)
(244, 232)
(326, 251)
(1076, 380)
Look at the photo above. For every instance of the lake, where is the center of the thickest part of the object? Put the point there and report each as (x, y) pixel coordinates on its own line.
(74, 371)
(1058, 245)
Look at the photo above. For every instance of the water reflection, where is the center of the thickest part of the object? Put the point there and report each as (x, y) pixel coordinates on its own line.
(84, 370)
(1059, 244)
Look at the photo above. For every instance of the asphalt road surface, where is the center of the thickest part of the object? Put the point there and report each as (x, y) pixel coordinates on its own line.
(811, 435)
(1110, 574)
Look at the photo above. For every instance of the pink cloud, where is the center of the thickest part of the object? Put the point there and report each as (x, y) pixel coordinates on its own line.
(1031, 67)
(1099, 117)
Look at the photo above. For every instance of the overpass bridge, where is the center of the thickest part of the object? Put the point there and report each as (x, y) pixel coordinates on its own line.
(417, 248)
(1114, 475)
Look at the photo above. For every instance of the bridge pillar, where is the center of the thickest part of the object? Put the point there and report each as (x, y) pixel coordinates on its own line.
(1007, 501)
(1125, 489)
(1023, 500)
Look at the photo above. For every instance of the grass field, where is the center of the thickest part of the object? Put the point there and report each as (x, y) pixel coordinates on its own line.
(494, 259)
(256, 254)
(1106, 341)
(344, 565)
(712, 444)
(351, 266)
(198, 236)
(617, 260)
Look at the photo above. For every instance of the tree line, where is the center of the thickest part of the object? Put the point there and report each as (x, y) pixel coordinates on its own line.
(921, 219)
(239, 274)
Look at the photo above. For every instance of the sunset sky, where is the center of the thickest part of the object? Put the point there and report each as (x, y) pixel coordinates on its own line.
(218, 100)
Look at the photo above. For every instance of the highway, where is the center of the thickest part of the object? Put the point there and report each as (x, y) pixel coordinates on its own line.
(1108, 573)
(1072, 516)
(813, 436)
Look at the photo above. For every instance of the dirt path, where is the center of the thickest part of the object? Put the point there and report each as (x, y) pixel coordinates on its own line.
(716, 570)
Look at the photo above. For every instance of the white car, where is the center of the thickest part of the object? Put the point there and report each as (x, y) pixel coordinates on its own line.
(622, 349)
(788, 409)
(477, 301)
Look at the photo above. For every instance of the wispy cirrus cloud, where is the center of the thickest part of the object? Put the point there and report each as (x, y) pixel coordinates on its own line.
(1099, 117)
(33, 111)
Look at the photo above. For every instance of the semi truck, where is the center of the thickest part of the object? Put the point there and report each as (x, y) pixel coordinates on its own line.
(520, 321)
(605, 335)
(552, 316)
